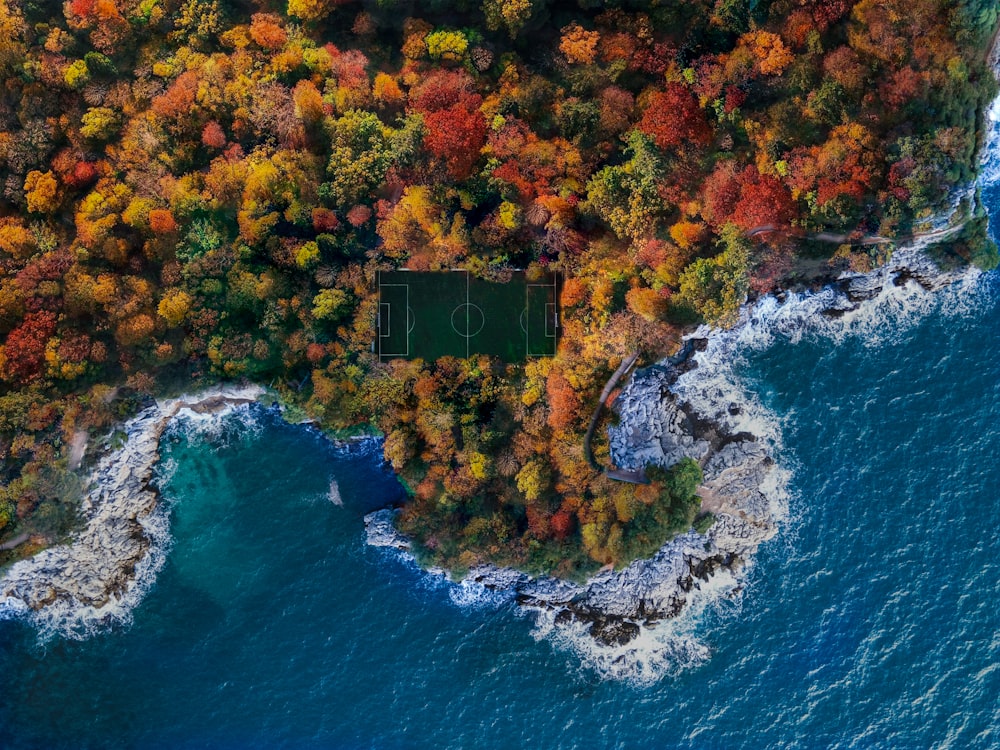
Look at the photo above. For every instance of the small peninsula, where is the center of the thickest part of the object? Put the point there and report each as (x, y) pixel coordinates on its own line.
(196, 193)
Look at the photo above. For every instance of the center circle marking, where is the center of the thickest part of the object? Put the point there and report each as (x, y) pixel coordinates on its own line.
(467, 320)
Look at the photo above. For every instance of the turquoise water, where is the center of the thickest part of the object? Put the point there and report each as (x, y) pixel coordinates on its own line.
(870, 621)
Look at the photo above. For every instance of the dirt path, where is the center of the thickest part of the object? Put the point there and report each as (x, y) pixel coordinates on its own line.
(77, 449)
(869, 239)
(15, 542)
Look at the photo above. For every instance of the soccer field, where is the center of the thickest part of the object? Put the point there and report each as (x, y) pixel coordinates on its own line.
(428, 315)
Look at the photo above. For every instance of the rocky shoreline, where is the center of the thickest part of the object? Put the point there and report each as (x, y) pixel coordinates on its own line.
(694, 406)
(99, 576)
(691, 405)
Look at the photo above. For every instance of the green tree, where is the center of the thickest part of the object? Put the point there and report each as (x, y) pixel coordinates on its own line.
(716, 287)
(361, 152)
(625, 196)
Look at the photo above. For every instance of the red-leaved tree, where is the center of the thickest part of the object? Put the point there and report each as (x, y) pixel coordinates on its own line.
(456, 129)
(746, 198)
(673, 119)
(24, 348)
(764, 201)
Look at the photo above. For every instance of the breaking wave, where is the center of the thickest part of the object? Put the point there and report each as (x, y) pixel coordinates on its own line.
(235, 423)
(717, 389)
(662, 650)
(474, 595)
(990, 167)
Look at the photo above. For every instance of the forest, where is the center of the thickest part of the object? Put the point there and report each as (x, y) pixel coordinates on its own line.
(194, 191)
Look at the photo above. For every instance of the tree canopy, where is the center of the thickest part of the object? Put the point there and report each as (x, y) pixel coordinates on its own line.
(197, 190)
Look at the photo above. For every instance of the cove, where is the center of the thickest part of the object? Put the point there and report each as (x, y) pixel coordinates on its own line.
(869, 621)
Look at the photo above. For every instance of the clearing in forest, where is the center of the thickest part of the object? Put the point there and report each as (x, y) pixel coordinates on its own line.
(432, 314)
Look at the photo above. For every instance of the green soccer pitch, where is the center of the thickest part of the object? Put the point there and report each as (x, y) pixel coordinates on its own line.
(432, 314)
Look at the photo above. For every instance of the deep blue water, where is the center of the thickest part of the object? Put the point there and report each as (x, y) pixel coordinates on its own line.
(870, 621)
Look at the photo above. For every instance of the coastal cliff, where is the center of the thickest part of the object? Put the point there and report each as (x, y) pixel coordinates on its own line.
(691, 407)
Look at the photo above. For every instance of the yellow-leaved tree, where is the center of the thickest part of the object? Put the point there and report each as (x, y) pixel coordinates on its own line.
(509, 14)
(42, 192)
(174, 306)
(310, 10)
(447, 45)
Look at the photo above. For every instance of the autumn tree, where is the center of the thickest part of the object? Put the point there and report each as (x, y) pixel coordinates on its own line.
(174, 306)
(626, 197)
(41, 191)
(308, 102)
(447, 45)
(746, 197)
(579, 45)
(24, 347)
(12, 48)
(564, 403)
(455, 129)
(769, 52)
(361, 152)
(511, 15)
(673, 119)
(267, 31)
(312, 10)
(763, 201)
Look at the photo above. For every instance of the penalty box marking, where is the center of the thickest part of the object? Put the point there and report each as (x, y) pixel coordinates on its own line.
(551, 316)
(388, 326)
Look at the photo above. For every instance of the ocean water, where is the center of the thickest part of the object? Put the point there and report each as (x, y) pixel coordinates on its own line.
(870, 621)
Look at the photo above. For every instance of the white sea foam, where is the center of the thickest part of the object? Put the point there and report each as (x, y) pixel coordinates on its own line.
(989, 173)
(233, 421)
(716, 384)
(661, 650)
(473, 595)
(366, 445)
(164, 473)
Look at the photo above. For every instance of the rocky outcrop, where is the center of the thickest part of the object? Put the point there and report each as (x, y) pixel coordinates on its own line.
(655, 427)
(907, 265)
(99, 576)
(381, 531)
(694, 406)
